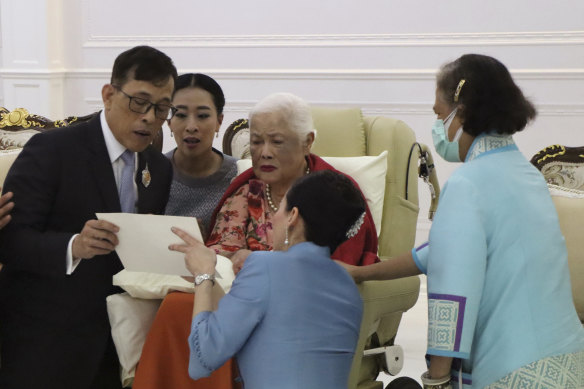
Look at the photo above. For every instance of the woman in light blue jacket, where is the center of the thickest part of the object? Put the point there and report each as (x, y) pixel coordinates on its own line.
(500, 308)
(292, 316)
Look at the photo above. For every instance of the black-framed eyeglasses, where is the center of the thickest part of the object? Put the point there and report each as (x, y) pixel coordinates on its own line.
(142, 106)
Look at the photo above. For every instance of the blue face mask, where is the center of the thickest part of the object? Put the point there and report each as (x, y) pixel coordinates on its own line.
(445, 148)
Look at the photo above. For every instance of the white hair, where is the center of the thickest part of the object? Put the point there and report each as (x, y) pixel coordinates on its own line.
(293, 110)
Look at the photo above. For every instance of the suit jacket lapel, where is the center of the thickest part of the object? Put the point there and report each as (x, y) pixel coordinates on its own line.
(102, 167)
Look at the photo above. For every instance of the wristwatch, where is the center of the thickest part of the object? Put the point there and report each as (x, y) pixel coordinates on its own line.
(203, 277)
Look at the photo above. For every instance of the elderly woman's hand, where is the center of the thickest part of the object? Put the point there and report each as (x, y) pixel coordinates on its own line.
(238, 258)
(352, 270)
(199, 259)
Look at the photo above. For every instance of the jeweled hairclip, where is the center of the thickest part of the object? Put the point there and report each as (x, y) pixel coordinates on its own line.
(354, 230)
(458, 88)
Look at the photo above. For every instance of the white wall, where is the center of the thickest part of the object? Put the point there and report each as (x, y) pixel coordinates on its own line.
(380, 55)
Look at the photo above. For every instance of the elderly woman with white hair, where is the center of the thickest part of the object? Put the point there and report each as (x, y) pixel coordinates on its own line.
(281, 135)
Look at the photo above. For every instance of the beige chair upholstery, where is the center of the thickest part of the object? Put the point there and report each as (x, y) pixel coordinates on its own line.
(346, 133)
(570, 206)
(563, 169)
(7, 157)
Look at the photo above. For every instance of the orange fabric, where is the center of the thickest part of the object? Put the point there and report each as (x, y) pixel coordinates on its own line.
(165, 356)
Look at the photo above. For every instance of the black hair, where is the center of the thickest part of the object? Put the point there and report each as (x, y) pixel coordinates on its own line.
(329, 203)
(199, 80)
(403, 383)
(146, 63)
(490, 98)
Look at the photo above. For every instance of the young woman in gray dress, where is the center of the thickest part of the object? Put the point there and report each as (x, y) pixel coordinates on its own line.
(201, 172)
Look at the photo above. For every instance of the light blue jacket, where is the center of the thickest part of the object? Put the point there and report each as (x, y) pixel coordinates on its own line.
(291, 317)
(499, 294)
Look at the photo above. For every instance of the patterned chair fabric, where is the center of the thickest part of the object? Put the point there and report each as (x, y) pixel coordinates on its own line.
(18, 126)
(236, 139)
(561, 165)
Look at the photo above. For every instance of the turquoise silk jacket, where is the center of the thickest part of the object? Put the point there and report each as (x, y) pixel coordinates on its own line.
(499, 295)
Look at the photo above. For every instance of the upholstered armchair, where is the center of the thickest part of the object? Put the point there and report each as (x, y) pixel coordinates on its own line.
(563, 169)
(347, 133)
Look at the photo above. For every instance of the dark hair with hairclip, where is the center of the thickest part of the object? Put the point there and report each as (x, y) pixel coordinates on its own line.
(330, 205)
(146, 63)
(207, 83)
(490, 98)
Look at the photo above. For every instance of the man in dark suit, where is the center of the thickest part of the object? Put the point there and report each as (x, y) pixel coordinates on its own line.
(58, 260)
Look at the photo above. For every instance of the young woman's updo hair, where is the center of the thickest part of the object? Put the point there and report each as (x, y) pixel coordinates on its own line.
(490, 98)
(199, 80)
(330, 205)
(293, 110)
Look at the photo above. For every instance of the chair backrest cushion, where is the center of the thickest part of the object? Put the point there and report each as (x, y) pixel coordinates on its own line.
(343, 132)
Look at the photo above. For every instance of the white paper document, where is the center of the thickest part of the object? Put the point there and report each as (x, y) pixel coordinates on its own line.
(144, 240)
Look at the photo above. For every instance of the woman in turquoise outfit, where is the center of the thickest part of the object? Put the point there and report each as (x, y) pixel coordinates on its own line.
(500, 308)
(292, 316)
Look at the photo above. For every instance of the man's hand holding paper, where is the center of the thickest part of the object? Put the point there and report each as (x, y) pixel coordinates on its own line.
(144, 240)
(98, 237)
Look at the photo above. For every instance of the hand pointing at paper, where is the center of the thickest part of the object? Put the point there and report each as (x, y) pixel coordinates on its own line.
(199, 259)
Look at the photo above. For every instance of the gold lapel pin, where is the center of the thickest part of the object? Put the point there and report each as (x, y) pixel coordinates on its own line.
(146, 177)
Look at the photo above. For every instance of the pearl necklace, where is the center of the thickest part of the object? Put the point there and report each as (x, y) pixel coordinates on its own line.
(269, 193)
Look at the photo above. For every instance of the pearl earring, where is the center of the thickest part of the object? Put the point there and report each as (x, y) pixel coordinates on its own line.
(286, 241)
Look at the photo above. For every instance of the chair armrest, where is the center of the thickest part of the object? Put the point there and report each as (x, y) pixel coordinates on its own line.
(382, 299)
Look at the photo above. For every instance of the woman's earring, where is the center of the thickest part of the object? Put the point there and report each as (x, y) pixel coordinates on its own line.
(217, 134)
(286, 241)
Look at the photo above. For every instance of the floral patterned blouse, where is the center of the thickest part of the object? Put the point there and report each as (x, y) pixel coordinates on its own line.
(244, 221)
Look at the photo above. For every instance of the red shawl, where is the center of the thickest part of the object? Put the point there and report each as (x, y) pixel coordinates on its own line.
(359, 250)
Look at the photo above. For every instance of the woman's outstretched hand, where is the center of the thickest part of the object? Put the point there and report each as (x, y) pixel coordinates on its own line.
(352, 270)
(199, 259)
(402, 265)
